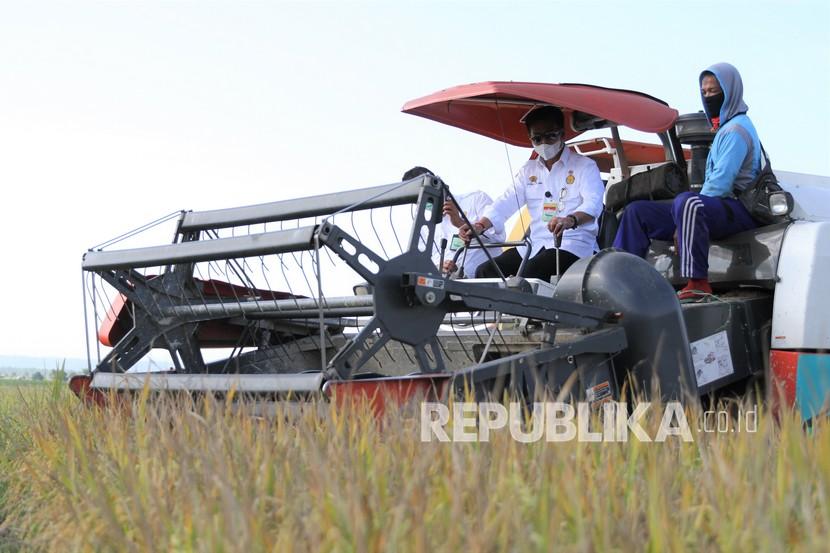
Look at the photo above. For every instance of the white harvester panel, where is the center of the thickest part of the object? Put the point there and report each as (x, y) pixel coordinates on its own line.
(801, 309)
(810, 193)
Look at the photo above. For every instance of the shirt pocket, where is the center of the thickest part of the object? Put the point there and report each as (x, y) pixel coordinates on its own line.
(570, 199)
(534, 198)
(535, 191)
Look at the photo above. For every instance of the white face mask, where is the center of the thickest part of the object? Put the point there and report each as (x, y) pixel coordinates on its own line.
(548, 151)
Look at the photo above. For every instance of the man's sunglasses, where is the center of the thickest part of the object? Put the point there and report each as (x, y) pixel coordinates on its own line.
(551, 135)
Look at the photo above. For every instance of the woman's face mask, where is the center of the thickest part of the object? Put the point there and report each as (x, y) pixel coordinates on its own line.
(713, 104)
(712, 95)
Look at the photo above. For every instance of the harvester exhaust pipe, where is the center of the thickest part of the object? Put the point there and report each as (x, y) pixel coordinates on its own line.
(658, 356)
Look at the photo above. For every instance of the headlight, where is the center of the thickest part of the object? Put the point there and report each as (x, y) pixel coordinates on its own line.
(780, 203)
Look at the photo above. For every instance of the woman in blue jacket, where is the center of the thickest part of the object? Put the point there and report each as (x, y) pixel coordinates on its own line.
(715, 213)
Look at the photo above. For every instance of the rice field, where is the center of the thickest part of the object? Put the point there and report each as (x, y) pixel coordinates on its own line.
(204, 476)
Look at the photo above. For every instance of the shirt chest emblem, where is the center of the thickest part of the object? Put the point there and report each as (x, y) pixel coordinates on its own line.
(570, 178)
(532, 179)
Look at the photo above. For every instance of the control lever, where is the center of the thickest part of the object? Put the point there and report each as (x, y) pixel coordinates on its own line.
(443, 252)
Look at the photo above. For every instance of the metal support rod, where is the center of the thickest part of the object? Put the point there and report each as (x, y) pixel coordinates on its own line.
(625, 170)
(292, 307)
(490, 338)
(558, 243)
(86, 323)
(528, 248)
(321, 316)
(475, 296)
(477, 238)
(328, 313)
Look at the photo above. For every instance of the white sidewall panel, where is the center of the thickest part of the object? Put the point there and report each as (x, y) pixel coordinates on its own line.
(811, 194)
(801, 308)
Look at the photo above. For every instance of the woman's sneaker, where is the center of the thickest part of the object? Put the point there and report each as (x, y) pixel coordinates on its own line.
(696, 290)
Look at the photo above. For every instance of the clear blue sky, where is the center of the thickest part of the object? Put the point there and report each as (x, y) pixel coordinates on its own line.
(112, 114)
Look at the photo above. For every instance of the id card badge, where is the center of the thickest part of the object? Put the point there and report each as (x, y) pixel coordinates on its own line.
(549, 210)
(456, 243)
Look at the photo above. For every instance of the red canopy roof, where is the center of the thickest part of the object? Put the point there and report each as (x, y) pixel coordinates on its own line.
(495, 109)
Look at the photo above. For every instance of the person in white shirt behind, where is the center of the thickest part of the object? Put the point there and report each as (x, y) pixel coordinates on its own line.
(473, 204)
(563, 193)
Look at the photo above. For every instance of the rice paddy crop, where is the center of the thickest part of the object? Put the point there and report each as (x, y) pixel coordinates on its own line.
(204, 475)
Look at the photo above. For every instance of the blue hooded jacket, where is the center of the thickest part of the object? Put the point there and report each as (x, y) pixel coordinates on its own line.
(735, 156)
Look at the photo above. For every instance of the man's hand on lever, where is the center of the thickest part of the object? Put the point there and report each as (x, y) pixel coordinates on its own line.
(558, 225)
(480, 226)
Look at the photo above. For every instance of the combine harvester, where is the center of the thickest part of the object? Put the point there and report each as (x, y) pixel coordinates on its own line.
(327, 296)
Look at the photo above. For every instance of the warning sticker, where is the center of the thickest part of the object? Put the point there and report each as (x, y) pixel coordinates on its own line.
(598, 394)
(712, 358)
(430, 282)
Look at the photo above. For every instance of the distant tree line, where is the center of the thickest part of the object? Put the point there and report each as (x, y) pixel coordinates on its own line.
(39, 376)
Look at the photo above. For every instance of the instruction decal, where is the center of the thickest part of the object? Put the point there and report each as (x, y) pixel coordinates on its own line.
(711, 358)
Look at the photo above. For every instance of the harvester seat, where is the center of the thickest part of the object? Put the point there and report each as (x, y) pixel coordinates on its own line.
(656, 182)
(749, 257)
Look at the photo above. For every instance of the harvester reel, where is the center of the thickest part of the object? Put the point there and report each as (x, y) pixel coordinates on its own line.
(398, 315)
(152, 327)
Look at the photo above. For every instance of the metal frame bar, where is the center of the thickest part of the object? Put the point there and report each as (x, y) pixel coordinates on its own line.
(281, 241)
(477, 296)
(406, 192)
(240, 383)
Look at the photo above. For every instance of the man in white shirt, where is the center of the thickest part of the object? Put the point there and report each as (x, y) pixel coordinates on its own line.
(563, 193)
(473, 204)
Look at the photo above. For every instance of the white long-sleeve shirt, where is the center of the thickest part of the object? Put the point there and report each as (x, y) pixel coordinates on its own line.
(572, 184)
(473, 204)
